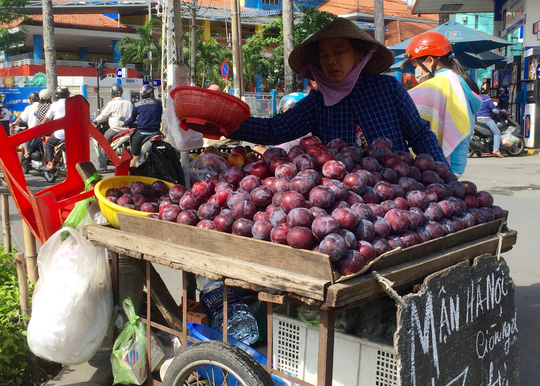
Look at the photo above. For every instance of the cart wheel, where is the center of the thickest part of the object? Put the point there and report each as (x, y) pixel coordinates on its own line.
(215, 363)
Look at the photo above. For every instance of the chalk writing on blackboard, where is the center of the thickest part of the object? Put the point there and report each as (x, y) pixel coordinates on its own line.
(461, 328)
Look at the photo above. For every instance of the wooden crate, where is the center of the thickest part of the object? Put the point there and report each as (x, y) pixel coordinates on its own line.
(284, 269)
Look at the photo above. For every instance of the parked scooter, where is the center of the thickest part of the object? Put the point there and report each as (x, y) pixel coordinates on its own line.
(512, 142)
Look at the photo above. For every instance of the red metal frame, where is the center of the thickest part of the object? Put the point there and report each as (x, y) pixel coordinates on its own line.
(45, 211)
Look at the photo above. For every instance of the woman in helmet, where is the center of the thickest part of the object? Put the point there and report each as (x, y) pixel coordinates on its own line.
(57, 110)
(43, 105)
(289, 100)
(353, 101)
(116, 111)
(443, 96)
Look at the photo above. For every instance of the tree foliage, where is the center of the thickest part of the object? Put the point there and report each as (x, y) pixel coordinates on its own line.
(137, 49)
(270, 38)
(14, 350)
(11, 10)
(209, 56)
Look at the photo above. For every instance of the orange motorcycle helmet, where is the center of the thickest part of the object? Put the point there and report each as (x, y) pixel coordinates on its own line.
(428, 44)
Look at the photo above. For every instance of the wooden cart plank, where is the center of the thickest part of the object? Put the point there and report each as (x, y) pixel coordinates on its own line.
(283, 257)
(439, 245)
(208, 264)
(363, 287)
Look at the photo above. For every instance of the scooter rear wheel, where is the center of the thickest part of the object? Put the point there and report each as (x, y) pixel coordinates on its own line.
(518, 149)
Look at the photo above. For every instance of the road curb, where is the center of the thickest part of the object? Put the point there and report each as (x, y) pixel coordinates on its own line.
(532, 151)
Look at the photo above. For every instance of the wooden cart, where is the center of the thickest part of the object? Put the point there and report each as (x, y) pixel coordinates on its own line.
(280, 273)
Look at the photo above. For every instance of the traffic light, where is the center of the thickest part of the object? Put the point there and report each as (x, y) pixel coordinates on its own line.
(102, 74)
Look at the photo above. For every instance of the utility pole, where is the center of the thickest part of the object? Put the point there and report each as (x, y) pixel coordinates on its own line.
(100, 73)
(193, 49)
(378, 20)
(288, 44)
(178, 33)
(236, 49)
(49, 46)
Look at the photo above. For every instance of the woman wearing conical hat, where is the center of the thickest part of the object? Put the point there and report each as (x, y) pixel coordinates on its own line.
(353, 102)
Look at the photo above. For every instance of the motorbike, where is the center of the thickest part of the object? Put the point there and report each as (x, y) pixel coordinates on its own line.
(512, 142)
(59, 169)
(120, 140)
(36, 159)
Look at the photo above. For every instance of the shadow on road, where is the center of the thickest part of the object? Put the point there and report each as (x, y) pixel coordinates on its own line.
(528, 315)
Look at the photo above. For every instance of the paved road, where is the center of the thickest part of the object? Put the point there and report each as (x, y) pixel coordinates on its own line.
(515, 184)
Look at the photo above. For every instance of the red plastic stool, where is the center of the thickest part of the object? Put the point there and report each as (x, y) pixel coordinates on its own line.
(45, 211)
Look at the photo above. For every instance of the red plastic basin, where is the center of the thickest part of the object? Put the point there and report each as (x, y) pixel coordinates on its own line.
(212, 113)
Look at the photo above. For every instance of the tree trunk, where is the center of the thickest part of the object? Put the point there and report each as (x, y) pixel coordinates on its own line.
(49, 46)
(288, 45)
(378, 20)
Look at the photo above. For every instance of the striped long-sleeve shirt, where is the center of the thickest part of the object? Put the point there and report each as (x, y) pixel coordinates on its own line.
(448, 103)
(378, 106)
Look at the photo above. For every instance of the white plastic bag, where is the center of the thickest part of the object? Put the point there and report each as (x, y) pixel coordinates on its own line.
(507, 139)
(181, 139)
(72, 305)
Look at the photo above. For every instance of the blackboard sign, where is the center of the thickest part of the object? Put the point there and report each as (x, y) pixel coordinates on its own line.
(460, 329)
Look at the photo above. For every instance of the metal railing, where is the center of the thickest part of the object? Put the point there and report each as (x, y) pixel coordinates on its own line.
(260, 104)
(67, 63)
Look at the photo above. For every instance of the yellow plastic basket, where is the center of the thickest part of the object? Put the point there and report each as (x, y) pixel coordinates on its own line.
(110, 209)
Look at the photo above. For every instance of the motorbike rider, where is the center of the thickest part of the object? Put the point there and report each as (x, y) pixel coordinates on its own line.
(5, 117)
(43, 105)
(116, 111)
(443, 96)
(147, 112)
(29, 116)
(57, 110)
(484, 115)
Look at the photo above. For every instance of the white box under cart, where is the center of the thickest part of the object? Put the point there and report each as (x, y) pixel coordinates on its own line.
(357, 361)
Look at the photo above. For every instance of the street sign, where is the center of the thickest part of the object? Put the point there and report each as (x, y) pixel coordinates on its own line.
(225, 69)
(157, 82)
(121, 72)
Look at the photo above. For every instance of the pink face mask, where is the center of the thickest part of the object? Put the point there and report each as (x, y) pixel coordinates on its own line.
(333, 93)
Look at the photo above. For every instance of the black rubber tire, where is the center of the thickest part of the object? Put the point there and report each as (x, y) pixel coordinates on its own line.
(50, 177)
(25, 163)
(215, 355)
(518, 149)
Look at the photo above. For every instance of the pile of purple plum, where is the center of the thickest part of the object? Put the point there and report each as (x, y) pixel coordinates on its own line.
(348, 202)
